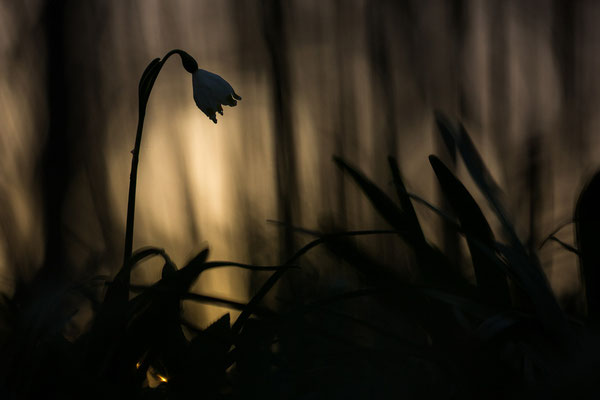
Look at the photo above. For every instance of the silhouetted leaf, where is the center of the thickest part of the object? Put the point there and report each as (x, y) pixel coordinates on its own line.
(405, 202)
(587, 217)
(189, 273)
(274, 278)
(478, 171)
(256, 299)
(148, 72)
(564, 245)
(117, 293)
(446, 131)
(371, 269)
(249, 267)
(497, 324)
(448, 219)
(381, 201)
(467, 304)
(168, 271)
(524, 266)
(221, 327)
(527, 273)
(555, 231)
(433, 266)
(108, 336)
(491, 281)
(147, 82)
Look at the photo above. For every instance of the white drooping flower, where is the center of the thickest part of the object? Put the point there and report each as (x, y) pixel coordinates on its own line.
(211, 92)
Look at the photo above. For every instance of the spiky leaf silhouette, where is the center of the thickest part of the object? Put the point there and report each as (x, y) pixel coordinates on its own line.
(524, 266)
(154, 316)
(491, 281)
(446, 131)
(433, 266)
(405, 203)
(379, 199)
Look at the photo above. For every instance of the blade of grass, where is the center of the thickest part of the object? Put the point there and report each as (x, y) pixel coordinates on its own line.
(525, 265)
(273, 279)
(564, 245)
(369, 267)
(555, 231)
(405, 202)
(446, 132)
(433, 265)
(381, 201)
(491, 281)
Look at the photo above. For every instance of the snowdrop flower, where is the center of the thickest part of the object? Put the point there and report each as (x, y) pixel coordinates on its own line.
(211, 91)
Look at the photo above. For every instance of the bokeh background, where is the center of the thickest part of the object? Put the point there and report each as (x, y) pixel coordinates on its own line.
(356, 78)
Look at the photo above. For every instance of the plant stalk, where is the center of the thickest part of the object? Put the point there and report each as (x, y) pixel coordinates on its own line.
(132, 187)
(148, 78)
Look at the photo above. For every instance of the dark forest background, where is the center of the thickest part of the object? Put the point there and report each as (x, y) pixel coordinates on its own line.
(359, 79)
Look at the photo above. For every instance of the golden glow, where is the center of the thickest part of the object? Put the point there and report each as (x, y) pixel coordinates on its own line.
(138, 364)
(155, 379)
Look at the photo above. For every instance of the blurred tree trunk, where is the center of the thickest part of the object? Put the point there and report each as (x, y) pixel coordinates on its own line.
(565, 40)
(55, 160)
(499, 81)
(285, 152)
(88, 26)
(457, 25)
(346, 132)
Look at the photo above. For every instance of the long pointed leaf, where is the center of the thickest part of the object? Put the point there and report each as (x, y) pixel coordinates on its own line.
(274, 278)
(491, 281)
(446, 131)
(405, 202)
(484, 180)
(380, 200)
(184, 277)
(433, 266)
(525, 265)
(117, 293)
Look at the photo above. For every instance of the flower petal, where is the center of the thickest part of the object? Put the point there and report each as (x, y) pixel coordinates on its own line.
(211, 91)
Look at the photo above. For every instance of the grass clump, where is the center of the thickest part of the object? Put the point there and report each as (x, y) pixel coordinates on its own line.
(506, 335)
